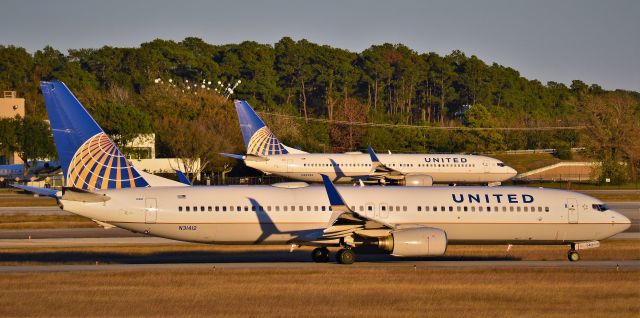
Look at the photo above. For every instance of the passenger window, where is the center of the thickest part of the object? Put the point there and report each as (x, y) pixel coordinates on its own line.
(539, 209)
(217, 208)
(179, 209)
(195, 209)
(309, 208)
(510, 209)
(202, 208)
(253, 208)
(323, 207)
(277, 208)
(426, 208)
(419, 208)
(479, 209)
(473, 209)
(369, 208)
(231, 208)
(458, 208)
(450, 209)
(269, 208)
(187, 209)
(435, 209)
(209, 208)
(546, 209)
(404, 208)
(224, 208)
(383, 208)
(465, 209)
(488, 209)
(285, 208)
(442, 209)
(518, 209)
(504, 209)
(495, 209)
(390, 208)
(526, 209)
(315, 208)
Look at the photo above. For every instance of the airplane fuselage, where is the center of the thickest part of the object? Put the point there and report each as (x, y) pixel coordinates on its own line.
(274, 215)
(345, 168)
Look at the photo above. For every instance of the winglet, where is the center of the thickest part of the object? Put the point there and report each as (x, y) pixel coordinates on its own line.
(372, 154)
(182, 178)
(332, 192)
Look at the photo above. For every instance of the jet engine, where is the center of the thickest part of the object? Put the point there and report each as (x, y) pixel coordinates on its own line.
(417, 180)
(419, 241)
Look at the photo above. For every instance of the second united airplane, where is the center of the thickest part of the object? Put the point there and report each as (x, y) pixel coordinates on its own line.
(267, 154)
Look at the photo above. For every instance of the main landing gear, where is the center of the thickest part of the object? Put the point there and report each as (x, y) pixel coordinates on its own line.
(344, 256)
(320, 255)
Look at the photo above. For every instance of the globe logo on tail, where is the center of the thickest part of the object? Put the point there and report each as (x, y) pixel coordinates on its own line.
(264, 143)
(98, 164)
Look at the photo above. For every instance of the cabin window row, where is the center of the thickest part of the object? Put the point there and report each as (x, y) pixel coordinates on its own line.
(337, 164)
(254, 208)
(483, 208)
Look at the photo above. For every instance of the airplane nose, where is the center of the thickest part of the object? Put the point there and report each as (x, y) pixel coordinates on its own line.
(512, 172)
(619, 218)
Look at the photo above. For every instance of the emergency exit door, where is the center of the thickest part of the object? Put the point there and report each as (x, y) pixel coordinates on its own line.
(572, 210)
(150, 210)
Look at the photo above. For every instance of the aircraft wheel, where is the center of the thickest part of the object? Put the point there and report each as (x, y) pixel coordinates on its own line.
(320, 255)
(346, 256)
(573, 256)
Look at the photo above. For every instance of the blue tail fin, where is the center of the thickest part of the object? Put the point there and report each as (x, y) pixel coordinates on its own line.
(258, 138)
(89, 158)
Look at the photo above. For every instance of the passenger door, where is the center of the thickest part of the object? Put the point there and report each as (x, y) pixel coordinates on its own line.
(150, 210)
(572, 210)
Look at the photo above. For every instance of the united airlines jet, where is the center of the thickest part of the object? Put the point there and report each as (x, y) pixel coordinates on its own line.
(403, 221)
(267, 154)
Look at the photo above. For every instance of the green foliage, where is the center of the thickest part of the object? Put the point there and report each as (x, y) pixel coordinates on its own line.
(296, 77)
(29, 137)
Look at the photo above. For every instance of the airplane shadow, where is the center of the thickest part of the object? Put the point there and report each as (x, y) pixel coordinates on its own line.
(168, 257)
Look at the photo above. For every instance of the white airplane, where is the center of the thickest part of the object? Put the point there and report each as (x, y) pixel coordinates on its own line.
(36, 170)
(267, 154)
(403, 221)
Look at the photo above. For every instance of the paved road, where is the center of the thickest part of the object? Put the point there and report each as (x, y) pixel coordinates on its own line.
(398, 265)
(33, 210)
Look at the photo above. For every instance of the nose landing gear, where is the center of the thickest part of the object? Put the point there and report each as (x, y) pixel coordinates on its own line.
(573, 256)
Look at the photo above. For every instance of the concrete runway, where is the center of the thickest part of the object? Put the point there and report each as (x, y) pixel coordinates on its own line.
(397, 265)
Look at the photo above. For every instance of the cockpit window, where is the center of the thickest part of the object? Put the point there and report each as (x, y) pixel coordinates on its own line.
(501, 164)
(600, 207)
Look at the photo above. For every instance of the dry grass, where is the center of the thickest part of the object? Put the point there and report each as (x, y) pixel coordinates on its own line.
(27, 221)
(26, 201)
(616, 197)
(336, 291)
(197, 253)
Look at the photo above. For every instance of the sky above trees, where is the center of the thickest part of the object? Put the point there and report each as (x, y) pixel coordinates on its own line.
(560, 41)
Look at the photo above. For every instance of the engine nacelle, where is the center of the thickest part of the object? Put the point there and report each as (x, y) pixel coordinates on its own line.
(417, 180)
(419, 241)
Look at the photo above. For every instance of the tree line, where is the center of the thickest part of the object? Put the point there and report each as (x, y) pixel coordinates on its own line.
(388, 83)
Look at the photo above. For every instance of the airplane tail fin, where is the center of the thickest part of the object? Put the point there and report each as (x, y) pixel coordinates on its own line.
(89, 158)
(258, 138)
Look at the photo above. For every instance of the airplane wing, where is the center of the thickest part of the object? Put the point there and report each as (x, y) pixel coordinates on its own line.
(380, 169)
(244, 157)
(344, 221)
(40, 191)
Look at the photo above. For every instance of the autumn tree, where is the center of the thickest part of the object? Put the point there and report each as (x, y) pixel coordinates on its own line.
(345, 136)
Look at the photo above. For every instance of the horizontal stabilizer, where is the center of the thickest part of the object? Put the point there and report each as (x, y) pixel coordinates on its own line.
(53, 193)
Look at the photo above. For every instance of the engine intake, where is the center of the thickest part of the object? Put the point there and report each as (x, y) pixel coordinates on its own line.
(417, 180)
(419, 241)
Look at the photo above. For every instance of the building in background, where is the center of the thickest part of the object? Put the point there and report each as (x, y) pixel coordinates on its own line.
(10, 107)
